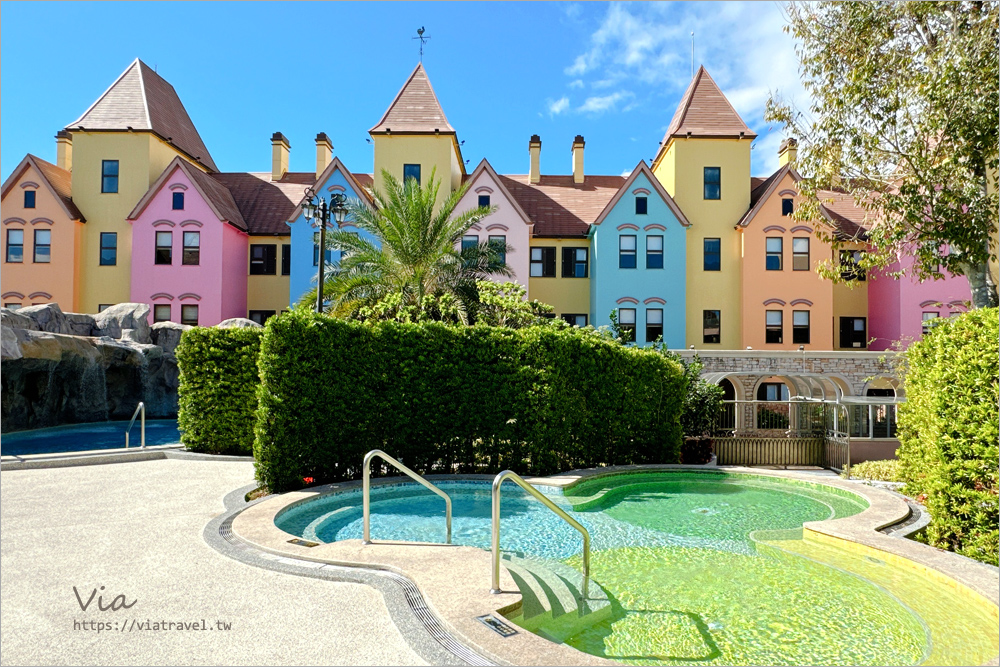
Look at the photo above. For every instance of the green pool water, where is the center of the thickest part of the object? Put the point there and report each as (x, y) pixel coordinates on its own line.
(714, 570)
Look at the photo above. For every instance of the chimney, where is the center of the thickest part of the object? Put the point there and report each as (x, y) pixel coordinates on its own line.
(578, 158)
(535, 151)
(64, 150)
(324, 151)
(279, 156)
(787, 152)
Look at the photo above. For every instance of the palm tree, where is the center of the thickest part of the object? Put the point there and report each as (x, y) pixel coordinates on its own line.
(416, 255)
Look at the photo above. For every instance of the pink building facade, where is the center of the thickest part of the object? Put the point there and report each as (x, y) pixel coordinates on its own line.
(189, 249)
(900, 309)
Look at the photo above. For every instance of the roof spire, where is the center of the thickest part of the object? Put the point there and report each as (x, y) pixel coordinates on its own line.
(423, 40)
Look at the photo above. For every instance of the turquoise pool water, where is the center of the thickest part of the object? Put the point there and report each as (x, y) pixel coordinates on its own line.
(82, 437)
(699, 569)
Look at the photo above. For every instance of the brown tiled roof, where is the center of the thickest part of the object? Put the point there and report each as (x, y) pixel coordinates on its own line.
(266, 204)
(761, 193)
(364, 180)
(755, 182)
(484, 167)
(850, 221)
(218, 198)
(415, 109)
(705, 112)
(143, 100)
(57, 178)
(558, 206)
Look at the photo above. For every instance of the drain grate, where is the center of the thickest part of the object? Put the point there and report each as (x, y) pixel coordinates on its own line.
(497, 626)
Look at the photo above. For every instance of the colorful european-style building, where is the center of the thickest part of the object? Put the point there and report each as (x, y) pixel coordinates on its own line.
(691, 249)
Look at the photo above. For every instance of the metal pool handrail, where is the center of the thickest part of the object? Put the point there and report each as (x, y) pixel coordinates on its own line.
(517, 479)
(139, 409)
(366, 539)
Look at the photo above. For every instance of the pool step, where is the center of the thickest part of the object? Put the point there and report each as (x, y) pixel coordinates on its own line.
(551, 603)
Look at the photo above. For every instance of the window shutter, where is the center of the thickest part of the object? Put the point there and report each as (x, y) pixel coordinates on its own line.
(550, 261)
(569, 263)
(846, 331)
(270, 259)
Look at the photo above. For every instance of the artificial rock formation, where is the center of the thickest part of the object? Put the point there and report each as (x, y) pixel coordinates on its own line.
(61, 368)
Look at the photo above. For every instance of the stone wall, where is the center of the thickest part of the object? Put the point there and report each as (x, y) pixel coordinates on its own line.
(66, 368)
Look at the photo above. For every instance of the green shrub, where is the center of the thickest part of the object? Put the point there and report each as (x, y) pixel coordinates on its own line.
(948, 432)
(452, 399)
(702, 399)
(879, 471)
(217, 396)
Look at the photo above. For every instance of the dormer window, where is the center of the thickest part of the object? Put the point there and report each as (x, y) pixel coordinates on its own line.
(484, 201)
(640, 205)
(787, 206)
(29, 199)
(178, 204)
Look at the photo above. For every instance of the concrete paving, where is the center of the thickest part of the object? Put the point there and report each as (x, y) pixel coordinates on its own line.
(136, 529)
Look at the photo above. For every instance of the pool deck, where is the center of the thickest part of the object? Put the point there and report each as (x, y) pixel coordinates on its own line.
(137, 530)
(455, 580)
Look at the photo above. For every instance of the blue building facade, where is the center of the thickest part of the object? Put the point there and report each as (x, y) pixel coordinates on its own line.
(304, 236)
(638, 265)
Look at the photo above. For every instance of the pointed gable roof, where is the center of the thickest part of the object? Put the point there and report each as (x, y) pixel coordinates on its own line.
(352, 180)
(560, 207)
(264, 203)
(57, 179)
(643, 168)
(415, 109)
(485, 167)
(142, 100)
(763, 191)
(705, 112)
(217, 196)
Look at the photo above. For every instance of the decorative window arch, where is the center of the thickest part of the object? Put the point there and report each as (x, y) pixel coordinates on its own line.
(775, 228)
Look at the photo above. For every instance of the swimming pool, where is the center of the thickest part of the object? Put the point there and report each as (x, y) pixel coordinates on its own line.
(698, 569)
(83, 437)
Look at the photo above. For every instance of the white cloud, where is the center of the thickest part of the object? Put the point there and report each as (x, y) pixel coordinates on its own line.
(646, 49)
(603, 103)
(578, 83)
(557, 107)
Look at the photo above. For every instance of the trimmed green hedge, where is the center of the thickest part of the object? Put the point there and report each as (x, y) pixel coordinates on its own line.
(948, 432)
(217, 396)
(458, 399)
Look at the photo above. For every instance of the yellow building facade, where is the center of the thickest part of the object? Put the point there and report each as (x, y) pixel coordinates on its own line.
(567, 296)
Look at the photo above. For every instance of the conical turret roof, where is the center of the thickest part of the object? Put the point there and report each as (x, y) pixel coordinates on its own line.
(415, 109)
(705, 112)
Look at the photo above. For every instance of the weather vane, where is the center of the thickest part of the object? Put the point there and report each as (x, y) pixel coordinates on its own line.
(423, 40)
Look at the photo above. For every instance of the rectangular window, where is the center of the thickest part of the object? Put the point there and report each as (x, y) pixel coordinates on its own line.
(191, 255)
(43, 246)
(411, 171)
(12, 306)
(15, 246)
(574, 263)
(800, 326)
(286, 259)
(713, 183)
(500, 243)
(849, 269)
(343, 253)
(713, 254)
(800, 254)
(575, 320)
(109, 176)
(109, 248)
(853, 332)
(773, 253)
(711, 326)
(484, 201)
(773, 329)
(161, 312)
(164, 247)
(626, 252)
(263, 259)
(641, 205)
(470, 241)
(178, 203)
(543, 263)
(787, 206)
(101, 307)
(189, 314)
(927, 321)
(654, 324)
(260, 316)
(654, 252)
(626, 323)
(29, 199)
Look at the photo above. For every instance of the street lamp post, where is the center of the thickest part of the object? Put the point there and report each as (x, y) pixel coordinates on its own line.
(316, 207)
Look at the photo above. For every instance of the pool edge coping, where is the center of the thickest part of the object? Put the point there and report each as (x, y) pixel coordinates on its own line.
(859, 533)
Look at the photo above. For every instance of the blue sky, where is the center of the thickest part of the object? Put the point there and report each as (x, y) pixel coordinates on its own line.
(502, 71)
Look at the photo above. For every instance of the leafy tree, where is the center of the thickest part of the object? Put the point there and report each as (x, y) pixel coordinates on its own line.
(506, 305)
(416, 257)
(702, 400)
(904, 116)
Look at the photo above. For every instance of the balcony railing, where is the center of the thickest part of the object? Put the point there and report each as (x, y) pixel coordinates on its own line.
(806, 418)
